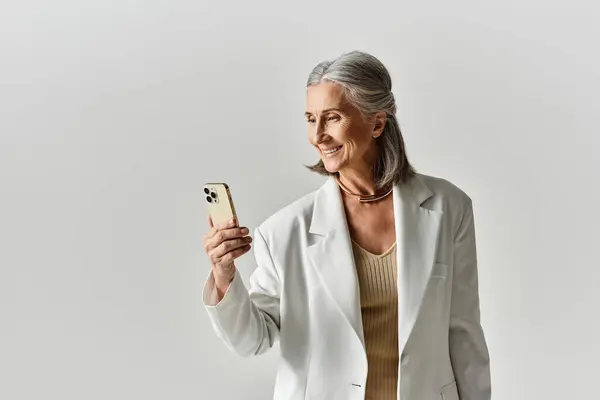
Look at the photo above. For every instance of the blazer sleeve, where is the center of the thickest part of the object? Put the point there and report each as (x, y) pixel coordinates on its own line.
(247, 320)
(468, 348)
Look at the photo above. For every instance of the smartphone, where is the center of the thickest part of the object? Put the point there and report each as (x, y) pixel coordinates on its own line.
(219, 202)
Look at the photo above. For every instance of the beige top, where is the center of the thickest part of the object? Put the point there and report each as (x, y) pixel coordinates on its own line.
(377, 277)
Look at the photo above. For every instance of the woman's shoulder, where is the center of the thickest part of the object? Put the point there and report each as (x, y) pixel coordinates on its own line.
(290, 217)
(446, 193)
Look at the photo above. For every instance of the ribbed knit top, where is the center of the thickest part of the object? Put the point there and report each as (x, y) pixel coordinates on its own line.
(377, 277)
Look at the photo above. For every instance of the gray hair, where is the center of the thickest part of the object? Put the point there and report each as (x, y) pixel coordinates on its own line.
(367, 85)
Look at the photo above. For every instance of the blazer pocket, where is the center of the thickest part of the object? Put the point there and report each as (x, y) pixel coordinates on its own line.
(440, 271)
(449, 392)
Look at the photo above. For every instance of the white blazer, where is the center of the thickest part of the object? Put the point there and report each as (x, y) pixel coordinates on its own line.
(304, 293)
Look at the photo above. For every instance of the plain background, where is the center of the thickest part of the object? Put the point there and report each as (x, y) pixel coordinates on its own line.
(114, 113)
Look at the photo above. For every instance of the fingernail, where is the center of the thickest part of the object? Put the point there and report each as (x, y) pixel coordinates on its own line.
(244, 230)
(232, 221)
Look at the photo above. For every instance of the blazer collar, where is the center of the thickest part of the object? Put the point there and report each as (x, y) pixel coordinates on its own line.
(328, 212)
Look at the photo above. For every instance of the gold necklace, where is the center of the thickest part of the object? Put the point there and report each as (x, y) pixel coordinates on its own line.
(363, 198)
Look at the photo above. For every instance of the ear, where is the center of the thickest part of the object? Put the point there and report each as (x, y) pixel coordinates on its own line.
(379, 120)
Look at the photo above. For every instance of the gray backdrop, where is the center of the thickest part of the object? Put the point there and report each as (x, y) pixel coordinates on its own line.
(114, 113)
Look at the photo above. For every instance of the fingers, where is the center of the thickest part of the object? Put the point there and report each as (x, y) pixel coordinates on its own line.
(232, 255)
(224, 237)
(228, 234)
(220, 252)
(218, 227)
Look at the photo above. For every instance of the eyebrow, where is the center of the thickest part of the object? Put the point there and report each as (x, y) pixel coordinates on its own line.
(325, 111)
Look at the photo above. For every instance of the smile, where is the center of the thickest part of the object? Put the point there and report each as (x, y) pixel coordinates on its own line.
(332, 151)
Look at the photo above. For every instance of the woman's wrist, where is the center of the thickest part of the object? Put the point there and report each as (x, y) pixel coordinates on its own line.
(222, 283)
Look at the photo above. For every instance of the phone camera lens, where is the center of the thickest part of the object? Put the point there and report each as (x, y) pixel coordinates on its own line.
(206, 191)
(208, 199)
(213, 195)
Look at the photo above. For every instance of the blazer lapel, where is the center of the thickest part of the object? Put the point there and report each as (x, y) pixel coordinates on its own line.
(331, 254)
(417, 234)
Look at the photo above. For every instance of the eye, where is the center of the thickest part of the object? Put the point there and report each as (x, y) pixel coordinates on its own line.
(333, 118)
(310, 121)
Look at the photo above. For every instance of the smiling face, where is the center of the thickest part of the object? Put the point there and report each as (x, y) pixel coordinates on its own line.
(343, 138)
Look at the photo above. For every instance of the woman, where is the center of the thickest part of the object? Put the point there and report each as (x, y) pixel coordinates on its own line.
(370, 282)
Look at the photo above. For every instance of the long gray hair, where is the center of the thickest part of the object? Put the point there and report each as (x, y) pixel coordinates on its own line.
(367, 85)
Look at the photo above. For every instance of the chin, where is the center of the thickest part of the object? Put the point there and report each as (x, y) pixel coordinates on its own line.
(332, 167)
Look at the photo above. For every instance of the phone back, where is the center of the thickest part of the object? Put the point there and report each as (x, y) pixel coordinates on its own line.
(219, 202)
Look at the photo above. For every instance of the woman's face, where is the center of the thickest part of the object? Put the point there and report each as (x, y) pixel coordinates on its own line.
(337, 129)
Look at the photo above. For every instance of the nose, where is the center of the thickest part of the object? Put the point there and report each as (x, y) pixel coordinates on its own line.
(318, 134)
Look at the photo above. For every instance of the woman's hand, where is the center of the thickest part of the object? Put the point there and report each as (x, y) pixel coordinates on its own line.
(224, 243)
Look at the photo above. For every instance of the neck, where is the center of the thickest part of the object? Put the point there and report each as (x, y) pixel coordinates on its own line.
(349, 197)
(360, 182)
